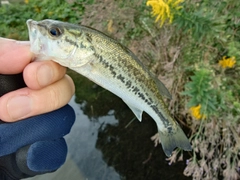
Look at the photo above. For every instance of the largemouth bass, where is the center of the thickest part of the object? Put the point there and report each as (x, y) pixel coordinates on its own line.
(112, 66)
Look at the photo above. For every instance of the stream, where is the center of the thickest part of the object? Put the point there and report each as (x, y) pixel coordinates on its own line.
(107, 142)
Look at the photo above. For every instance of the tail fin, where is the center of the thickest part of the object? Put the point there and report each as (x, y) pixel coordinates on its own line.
(170, 141)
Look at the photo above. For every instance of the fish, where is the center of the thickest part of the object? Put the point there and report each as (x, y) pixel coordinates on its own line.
(112, 66)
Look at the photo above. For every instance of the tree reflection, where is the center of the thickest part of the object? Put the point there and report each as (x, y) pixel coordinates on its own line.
(125, 147)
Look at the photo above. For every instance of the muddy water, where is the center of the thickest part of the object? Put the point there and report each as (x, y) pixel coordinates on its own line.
(108, 143)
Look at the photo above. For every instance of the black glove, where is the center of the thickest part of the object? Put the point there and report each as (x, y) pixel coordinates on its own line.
(35, 145)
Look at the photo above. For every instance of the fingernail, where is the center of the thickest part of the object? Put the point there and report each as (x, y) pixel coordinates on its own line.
(24, 43)
(44, 75)
(19, 106)
(6, 39)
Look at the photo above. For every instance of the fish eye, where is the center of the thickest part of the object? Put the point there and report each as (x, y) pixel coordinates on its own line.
(55, 31)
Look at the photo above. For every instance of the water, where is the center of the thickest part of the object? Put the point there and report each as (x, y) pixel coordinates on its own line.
(108, 143)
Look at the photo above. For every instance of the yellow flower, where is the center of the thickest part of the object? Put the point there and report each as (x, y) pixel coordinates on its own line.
(227, 63)
(37, 9)
(163, 9)
(26, 1)
(50, 13)
(110, 26)
(195, 110)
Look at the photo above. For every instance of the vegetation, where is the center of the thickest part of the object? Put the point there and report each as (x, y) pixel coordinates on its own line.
(192, 46)
(14, 16)
(210, 61)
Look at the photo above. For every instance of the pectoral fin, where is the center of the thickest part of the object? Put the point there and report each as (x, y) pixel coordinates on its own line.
(138, 112)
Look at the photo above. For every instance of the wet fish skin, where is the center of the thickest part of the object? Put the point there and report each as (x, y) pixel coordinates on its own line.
(112, 66)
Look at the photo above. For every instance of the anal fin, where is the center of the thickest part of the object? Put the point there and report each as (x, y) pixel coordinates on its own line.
(137, 112)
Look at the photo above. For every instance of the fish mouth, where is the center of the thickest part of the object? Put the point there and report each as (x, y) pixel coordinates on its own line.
(37, 46)
(31, 24)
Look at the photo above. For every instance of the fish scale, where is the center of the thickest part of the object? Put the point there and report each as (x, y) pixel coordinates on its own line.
(112, 66)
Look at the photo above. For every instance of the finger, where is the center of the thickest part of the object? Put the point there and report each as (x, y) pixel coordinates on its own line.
(35, 159)
(42, 156)
(14, 56)
(26, 102)
(45, 127)
(42, 73)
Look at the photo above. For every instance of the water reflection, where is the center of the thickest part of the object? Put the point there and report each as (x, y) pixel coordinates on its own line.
(107, 146)
(105, 142)
(82, 142)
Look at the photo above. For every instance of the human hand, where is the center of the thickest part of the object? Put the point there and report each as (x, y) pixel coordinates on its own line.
(48, 88)
(34, 145)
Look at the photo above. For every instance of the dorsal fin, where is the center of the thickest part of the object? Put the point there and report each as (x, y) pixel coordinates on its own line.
(161, 87)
